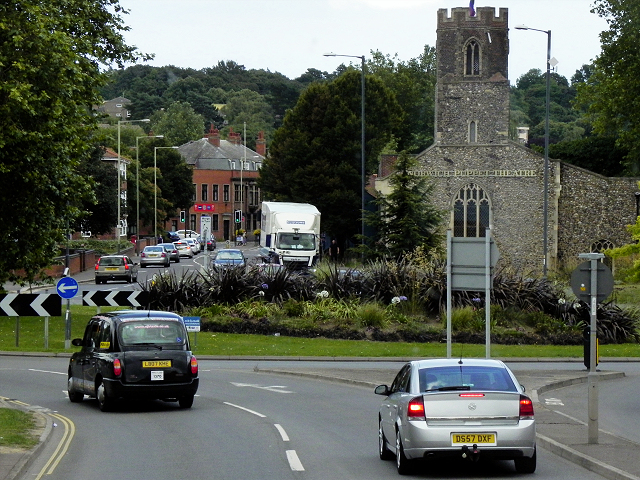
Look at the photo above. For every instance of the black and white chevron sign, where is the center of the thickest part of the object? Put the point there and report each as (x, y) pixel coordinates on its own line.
(107, 298)
(30, 305)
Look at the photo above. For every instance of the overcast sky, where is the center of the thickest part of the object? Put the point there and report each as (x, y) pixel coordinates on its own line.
(290, 36)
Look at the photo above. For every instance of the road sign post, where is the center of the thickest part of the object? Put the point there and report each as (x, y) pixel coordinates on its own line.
(470, 264)
(592, 282)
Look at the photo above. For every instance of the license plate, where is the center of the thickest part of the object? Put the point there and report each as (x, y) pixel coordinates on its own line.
(157, 375)
(156, 363)
(154, 255)
(111, 269)
(473, 438)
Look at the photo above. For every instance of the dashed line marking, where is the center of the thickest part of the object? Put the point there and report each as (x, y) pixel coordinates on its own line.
(283, 434)
(245, 409)
(294, 461)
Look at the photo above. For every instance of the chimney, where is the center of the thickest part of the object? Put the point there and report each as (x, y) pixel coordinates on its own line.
(213, 136)
(261, 144)
(234, 137)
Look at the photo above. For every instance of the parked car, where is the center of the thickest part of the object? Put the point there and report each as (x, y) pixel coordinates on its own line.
(116, 267)
(172, 251)
(154, 255)
(468, 408)
(184, 249)
(229, 258)
(133, 354)
(193, 243)
(187, 234)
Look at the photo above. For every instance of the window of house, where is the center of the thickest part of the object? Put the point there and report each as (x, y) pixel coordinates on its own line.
(192, 222)
(472, 58)
(215, 226)
(236, 193)
(225, 193)
(471, 212)
(233, 164)
(204, 195)
(214, 192)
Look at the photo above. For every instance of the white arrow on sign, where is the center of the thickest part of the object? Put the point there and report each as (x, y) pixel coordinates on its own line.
(5, 304)
(111, 298)
(37, 306)
(64, 288)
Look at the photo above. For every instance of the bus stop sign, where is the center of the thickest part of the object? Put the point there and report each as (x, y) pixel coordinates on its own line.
(581, 282)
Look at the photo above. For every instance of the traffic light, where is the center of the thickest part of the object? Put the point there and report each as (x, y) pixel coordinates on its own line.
(238, 216)
(183, 216)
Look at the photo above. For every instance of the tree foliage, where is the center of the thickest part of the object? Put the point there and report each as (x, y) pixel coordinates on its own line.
(51, 55)
(610, 94)
(179, 123)
(315, 155)
(405, 219)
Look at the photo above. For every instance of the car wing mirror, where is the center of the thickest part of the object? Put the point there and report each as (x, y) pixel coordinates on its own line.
(76, 342)
(382, 390)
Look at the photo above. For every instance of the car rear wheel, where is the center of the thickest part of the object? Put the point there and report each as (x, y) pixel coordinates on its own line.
(74, 396)
(385, 453)
(104, 401)
(526, 464)
(402, 463)
(186, 402)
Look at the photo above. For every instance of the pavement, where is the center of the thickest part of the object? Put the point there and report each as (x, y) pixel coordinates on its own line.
(612, 457)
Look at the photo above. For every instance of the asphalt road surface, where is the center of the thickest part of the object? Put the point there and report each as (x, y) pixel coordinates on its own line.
(245, 424)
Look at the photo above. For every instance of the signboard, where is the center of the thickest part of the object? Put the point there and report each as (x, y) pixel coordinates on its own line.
(581, 281)
(468, 258)
(30, 305)
(67, 287)
(108, 298)
(192, 323)
(205, 227)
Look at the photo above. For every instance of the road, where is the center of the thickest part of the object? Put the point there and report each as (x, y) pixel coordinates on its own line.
(245, 424)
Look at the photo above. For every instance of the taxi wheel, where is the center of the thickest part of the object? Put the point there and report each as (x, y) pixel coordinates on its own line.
(74, 396)
(526, 464)
(104, 401)
(186, 402)
(402, 463)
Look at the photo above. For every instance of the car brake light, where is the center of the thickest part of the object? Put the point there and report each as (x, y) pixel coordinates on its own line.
(472, 395)
(117, 367)
(97, 266)
(194, 365)
(415, 409)
(526, 408)
(126, 267)
(142, 254)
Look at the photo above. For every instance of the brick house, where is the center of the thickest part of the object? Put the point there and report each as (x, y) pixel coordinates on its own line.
(224, 175)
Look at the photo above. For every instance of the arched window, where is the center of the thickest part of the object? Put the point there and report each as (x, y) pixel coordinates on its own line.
(473, 130)
(471, 212)
(472, 58)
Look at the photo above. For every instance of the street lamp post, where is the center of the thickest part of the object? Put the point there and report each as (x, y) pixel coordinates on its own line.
(138, 189)
(145, 120)
(362, 139)
(155, 191)
(545, 207)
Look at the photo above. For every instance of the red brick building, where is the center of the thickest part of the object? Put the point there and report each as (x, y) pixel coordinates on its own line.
(224, 175)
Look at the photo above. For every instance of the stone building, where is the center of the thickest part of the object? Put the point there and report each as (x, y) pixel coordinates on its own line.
(485, 180)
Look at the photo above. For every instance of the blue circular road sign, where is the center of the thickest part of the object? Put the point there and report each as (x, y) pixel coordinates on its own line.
(67, 287)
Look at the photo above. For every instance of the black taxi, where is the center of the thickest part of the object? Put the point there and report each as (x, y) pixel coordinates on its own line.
(134, 354)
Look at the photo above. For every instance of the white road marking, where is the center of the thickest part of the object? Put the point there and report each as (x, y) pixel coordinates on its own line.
(553, 401)
(283, 434)
(45, 371)
(245, 409)
(294, 461)
(272, 388)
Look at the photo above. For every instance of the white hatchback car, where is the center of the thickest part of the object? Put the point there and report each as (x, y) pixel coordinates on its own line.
(184, 249)
(466, 408)
(194, 244)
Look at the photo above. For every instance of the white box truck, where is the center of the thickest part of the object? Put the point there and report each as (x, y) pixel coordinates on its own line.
(290, 233)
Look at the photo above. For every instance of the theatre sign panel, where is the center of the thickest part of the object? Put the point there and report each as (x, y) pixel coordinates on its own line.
(470, 172)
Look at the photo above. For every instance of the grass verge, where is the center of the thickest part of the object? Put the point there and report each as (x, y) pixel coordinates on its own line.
(31, 339)
(16, 428)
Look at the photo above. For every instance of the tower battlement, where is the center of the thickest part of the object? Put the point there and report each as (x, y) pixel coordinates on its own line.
(460, 17)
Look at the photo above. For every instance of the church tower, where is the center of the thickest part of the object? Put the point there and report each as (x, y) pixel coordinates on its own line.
(472, 93)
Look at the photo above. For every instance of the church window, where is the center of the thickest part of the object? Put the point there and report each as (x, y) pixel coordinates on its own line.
(472, 132)
(472, 58)
(471, 212)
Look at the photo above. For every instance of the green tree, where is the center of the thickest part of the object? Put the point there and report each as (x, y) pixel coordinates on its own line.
(52, 56)
(610, 94)
(315, 155)
(405, 219)
(630, 250)
(251, 108)
(179, 123)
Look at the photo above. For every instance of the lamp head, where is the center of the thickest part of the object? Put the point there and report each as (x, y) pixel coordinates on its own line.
(522, 27)
(330, 54)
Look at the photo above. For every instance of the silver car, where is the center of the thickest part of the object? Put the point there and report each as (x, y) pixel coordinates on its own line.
(154, 255)
(466, 408)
